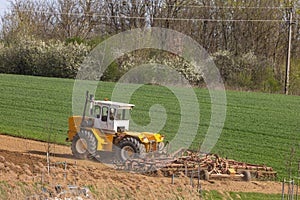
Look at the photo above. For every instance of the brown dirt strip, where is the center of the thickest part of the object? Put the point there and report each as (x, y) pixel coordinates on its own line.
(21, 151)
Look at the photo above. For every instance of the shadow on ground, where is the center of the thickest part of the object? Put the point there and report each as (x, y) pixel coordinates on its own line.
(105, 158)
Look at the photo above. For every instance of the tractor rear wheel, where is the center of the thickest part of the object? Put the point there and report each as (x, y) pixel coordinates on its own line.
(130, 148)
(84, 145)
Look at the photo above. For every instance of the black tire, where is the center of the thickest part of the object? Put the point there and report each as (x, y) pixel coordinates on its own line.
(84, 145)
(161, 148)
(247, 176)
(130, 145)
(204, 175)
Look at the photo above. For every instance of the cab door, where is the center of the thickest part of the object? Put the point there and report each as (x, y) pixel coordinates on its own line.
(104, 118)
(111, 118)
(97, 113)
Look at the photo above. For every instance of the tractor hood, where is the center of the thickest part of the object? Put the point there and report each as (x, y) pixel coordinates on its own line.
(147, 137)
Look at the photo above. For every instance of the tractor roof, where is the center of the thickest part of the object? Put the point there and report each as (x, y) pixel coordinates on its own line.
(114, 104)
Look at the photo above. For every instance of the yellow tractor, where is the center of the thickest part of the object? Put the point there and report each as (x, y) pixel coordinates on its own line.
(106, 129)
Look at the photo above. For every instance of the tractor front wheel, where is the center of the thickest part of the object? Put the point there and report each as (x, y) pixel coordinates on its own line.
(130, 148)
(84, 145)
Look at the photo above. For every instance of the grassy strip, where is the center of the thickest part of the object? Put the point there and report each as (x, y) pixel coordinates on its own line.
(215, 195)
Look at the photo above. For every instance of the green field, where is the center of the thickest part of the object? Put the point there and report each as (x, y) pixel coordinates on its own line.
(259, 128)
(215, 195)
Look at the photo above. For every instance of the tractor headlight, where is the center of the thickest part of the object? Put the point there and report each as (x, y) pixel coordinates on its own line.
(145, 140)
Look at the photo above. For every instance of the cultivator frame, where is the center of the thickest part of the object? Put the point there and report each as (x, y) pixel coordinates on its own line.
(190, 163)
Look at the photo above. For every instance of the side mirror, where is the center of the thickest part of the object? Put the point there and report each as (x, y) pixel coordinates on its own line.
(91, 97)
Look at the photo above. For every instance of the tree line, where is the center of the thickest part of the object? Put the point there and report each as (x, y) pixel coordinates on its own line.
(247, 39)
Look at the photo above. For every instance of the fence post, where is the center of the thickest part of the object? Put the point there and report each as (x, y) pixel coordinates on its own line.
(297, 188)
(289, 190)
(192, 179)
(186, 171)
(75, 172)
(282, 193)
(173, 176)
(199, 183)
(65, 171)
(292, 192)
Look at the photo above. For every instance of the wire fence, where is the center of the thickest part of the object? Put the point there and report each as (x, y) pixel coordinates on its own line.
(290, 187)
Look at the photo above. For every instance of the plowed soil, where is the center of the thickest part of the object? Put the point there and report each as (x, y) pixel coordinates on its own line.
(23, 173)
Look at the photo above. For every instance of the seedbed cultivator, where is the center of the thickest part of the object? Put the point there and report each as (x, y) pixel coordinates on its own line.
(194, 164)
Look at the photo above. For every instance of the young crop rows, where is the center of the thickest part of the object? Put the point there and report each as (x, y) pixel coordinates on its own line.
(259, 128)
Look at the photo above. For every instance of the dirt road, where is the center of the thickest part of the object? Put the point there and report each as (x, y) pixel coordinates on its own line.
(24, 161)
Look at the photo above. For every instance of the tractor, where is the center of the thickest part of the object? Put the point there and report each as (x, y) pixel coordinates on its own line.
(106, 129)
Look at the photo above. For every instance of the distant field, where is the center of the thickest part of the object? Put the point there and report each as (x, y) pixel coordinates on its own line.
(259, 128)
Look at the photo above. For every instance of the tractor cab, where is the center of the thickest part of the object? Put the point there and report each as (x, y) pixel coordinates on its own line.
(111, 116)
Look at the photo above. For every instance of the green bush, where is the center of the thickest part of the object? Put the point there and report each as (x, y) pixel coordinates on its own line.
(295, 78)
(242, 80)
(113, 73)
(225, 62)
(246, 71)
(271, 84)
(154, 57)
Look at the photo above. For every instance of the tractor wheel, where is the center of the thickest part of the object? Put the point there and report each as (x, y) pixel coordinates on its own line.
(161, 148)
(247, 176)
(130, 148)
(84, 145)
(204, 175)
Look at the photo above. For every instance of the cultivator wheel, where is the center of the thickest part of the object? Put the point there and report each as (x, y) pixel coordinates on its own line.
(204, 175)
(246, 176)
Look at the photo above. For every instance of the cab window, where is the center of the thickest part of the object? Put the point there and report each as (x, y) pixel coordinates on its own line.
(104, 114)
(97, 111)
(112, 113)
(123, 114)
